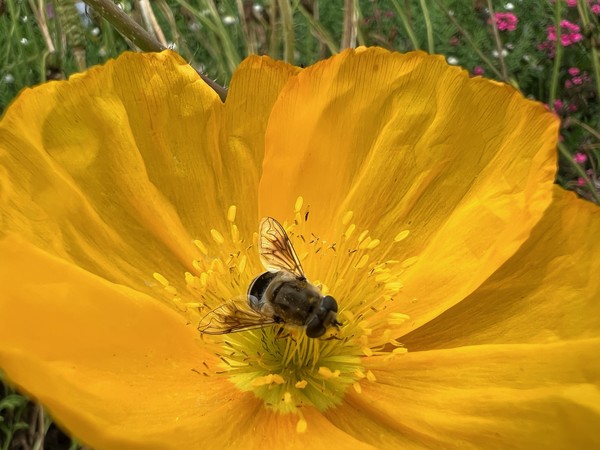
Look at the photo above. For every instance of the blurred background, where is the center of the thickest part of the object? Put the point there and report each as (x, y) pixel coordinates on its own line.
(548, 49)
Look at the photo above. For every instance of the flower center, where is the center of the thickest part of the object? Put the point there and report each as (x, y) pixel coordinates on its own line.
(279, 363)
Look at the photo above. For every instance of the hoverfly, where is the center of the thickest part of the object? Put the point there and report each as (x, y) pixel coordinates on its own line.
(282, 295)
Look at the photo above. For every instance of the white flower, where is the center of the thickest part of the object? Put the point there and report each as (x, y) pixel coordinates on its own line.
(229, 20)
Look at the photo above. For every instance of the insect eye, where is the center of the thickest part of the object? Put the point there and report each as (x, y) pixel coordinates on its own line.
(328, 303)
(314, 327)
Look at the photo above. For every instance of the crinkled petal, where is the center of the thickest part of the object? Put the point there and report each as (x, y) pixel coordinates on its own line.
(120, 371)
(548, 291)
(489, 396)
(255, 85)
(109, 364)
(118, 169)
(409, 143)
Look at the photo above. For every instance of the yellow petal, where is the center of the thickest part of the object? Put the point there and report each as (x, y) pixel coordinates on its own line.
(93, 164)
(496, 396)
(547, 291)
(254, 88)
(110, 364)
(119, 371)
(409, 143)
(120, 168)
(267, 429)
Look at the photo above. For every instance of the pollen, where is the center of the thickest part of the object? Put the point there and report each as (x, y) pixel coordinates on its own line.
(401, 236)
(301, 426)
(218, 237)
(279, 364)
(347, 217)
(161, 279)
(231, 213)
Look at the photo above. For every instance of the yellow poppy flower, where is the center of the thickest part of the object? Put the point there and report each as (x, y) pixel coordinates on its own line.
(420, 198)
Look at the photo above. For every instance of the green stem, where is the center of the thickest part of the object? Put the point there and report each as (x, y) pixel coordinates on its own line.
(288, 30)
(130, 29)
(230, 52)
(498, 42)
(470, 41)
(428, 26)
(586, 127)
(322, 34)
(407, 26)
(557, 56)
(349, 29)
(126, 25)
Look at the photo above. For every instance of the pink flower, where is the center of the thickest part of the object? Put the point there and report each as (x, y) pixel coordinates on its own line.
(505, 21)
(570, 26)
(571, 108)
(573, 71)
(580, 158)
(478, 70)
(596, 9)
(568, 84)
(571, 3)
(569, 33)
(570, 38)
(558, 104)
(577, 80)
(581, 181)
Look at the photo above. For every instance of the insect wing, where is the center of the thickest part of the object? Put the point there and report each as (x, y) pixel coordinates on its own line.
(232, 316)
(276, 250)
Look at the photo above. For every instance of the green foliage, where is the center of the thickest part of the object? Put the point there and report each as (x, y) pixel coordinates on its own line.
(24, 425)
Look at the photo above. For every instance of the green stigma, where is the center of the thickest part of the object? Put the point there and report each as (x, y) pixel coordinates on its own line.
(279, 363)
(288, 370)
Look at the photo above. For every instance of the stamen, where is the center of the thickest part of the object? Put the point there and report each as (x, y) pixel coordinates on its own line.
(374, 243)
(231, 213)
(279, 363)
(298, 205)
(162, 280)
(363, 235)
(349, 231)
(362, 262)
(242, 264)
(201, 246)
(301, 426)
(218, 237)
(401, 236)
(409, 261)
(347, 218)
(397, 318)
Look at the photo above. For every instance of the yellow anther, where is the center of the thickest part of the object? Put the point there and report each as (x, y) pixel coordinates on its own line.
(401, 236)
(347, 217)
(231, 213)
(218, 237)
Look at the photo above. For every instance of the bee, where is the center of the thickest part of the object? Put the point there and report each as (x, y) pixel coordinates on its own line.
(280, 296)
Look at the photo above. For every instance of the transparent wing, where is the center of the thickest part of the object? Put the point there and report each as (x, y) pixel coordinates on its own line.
(233, 315)
(276, 250)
